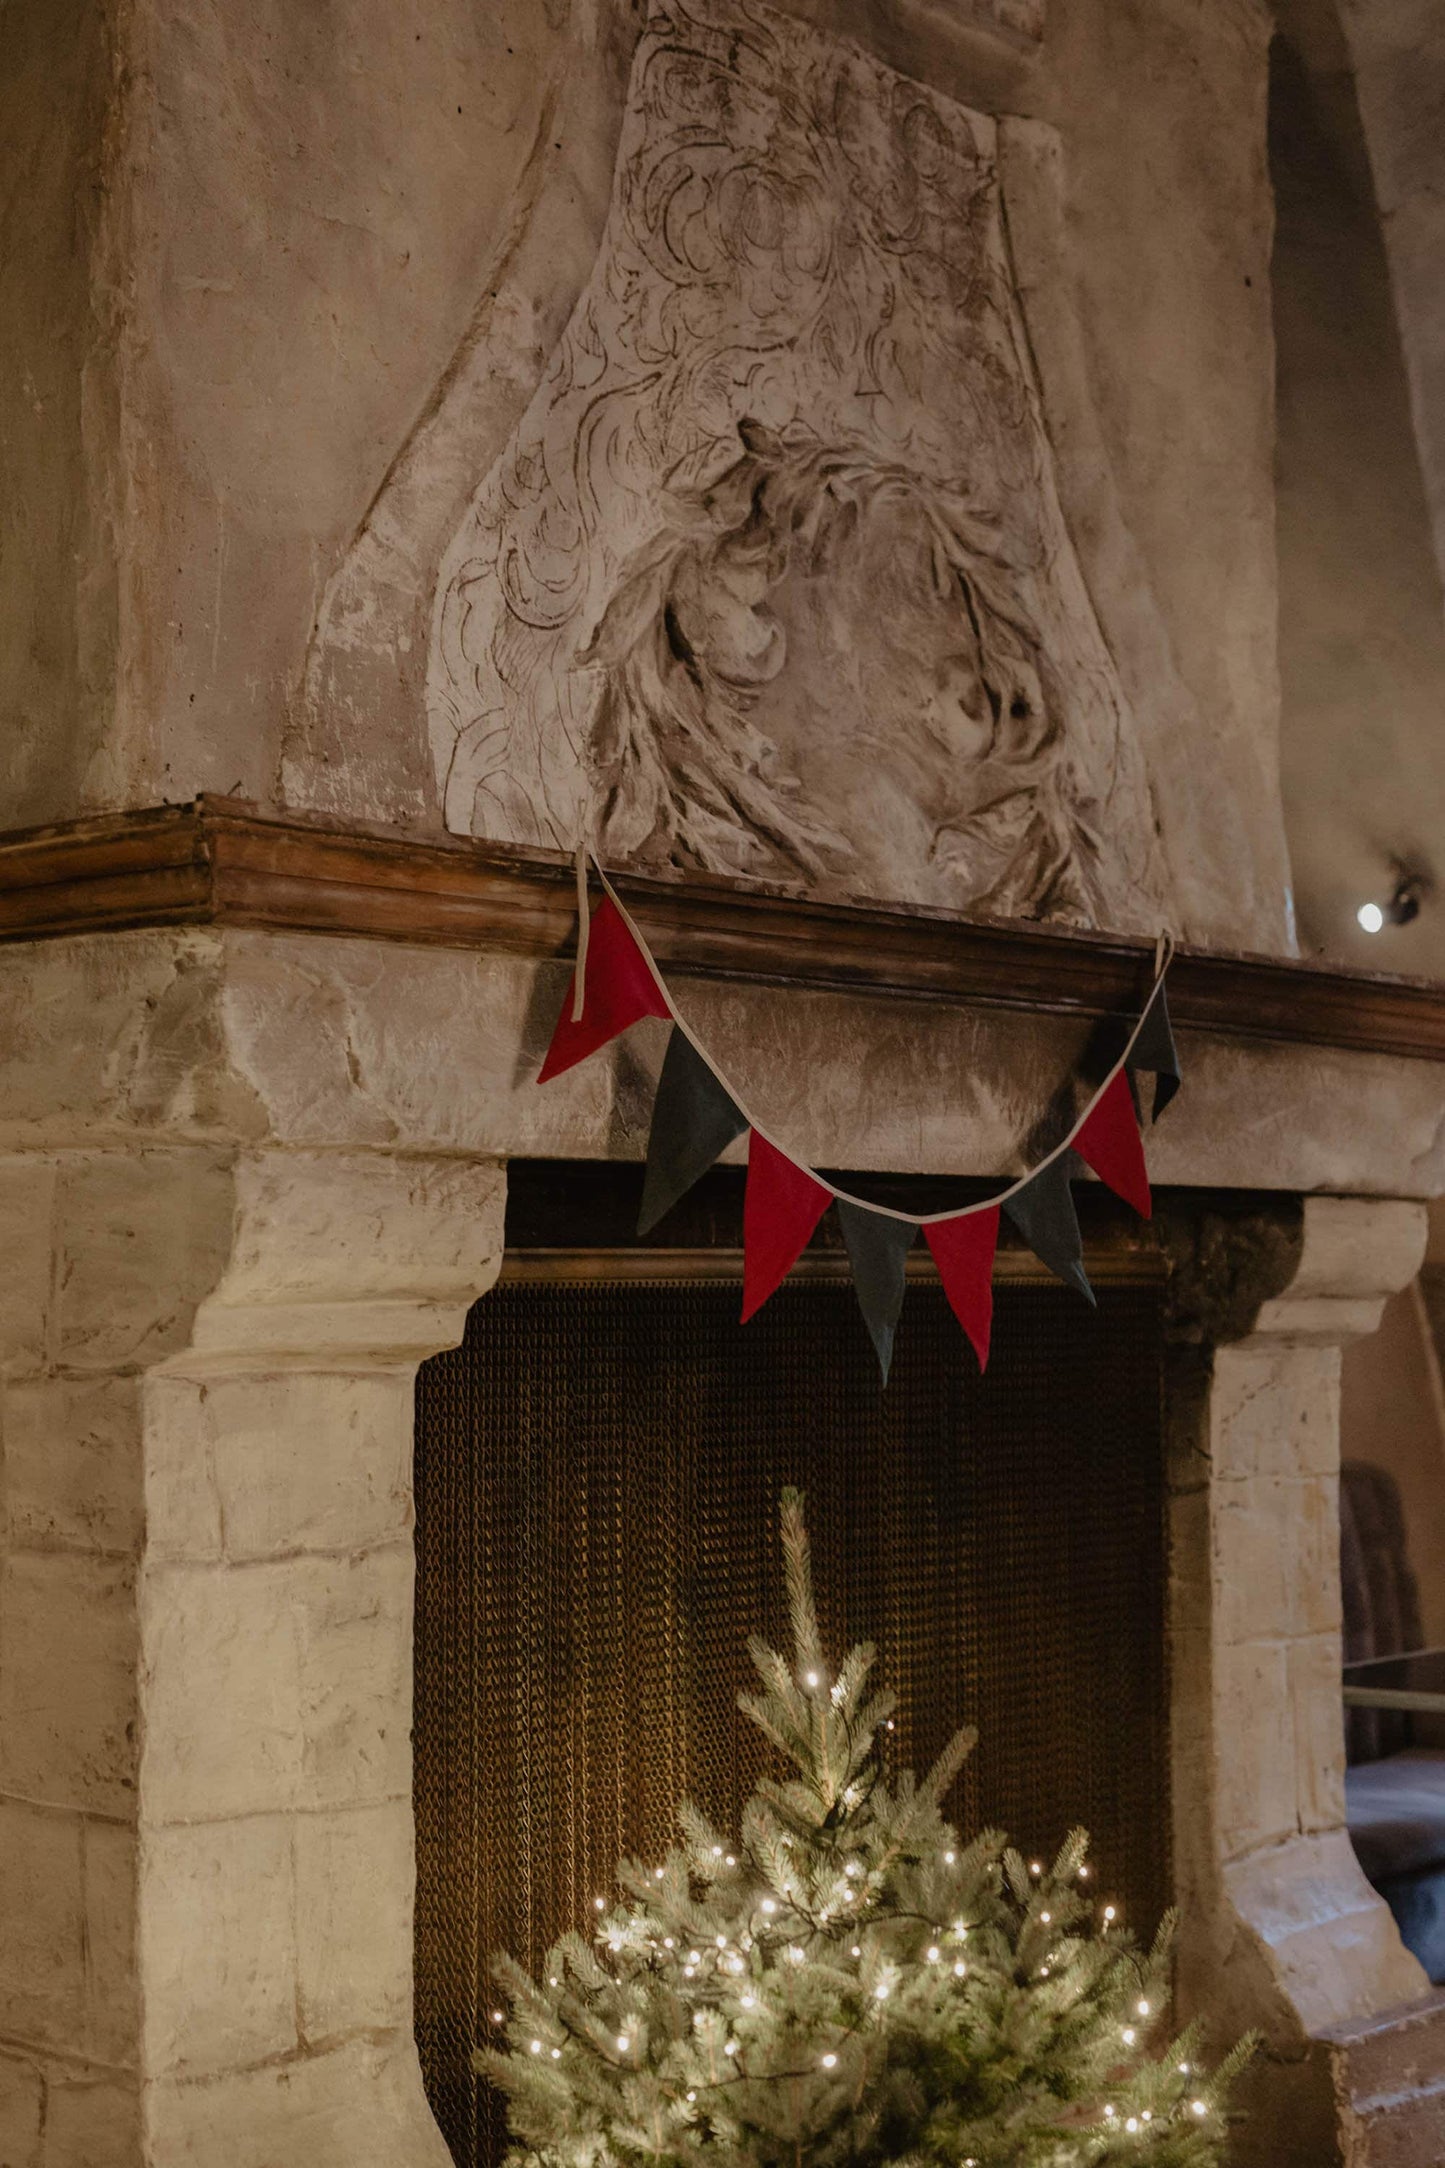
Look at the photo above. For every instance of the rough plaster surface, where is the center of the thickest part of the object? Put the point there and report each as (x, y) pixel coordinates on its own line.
(340, 293)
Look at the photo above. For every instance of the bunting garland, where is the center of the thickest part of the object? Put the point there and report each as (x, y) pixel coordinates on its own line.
(696, 1117)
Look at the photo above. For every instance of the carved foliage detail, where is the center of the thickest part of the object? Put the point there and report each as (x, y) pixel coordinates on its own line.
(773, 578)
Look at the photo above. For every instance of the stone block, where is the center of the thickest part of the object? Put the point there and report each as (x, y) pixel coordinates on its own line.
(354, 1883)
(73, 1463)
(356, 1680)
(42, 1927)
(68, 1680)
(1254, 1543)
(112, 2010)
(27, 1266)
(1256, 1787)
(94, 2121)
(358, 2105)
(217, 1945)
(277, 1685)
(142, 1237)
(257, 1466)
(1330, 1941)
(1276, 1411)
(221, 1689)
(1319, 1731)
(22, 2108)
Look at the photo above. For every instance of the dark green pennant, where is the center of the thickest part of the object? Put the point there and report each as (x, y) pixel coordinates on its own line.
(1155, 1051)
(877, 1250)
(1043, 1212)
(693, 1120)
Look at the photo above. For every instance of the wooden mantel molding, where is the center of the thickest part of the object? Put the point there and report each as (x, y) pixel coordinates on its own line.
(222, 862)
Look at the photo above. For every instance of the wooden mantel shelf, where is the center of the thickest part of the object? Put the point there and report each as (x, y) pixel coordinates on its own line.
(221, 862)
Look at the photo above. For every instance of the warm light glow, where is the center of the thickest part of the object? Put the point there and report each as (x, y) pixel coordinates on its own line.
(692, 2096)
(1184, 2070)
(668, 1943)
(694, 1957)
(1046, 1917)
(658, 1873)
(796, 1955)
(1109, 2110)
(722, 1942)
(536, 2047)
(731, 2048)
(1199, 2107)
(600, 1903)
(880, 1992)
(749, 2002)
(830, 2062)
(1370, 917)
(1035, 1866)
(623, 2043)
(813, 1679)
(1133, 2123)
(1109, 1912)
(1142, 2008)
(730, 1861)
(855, 1951)
(1129, 2036)
(768, 1905)
(933, 1957)
(556, 2055)
(949, 1858)
(497, 2018)
(1083, 1874)
(959, 1970)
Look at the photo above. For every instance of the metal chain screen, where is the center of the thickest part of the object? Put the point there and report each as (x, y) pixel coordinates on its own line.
(598, 1469)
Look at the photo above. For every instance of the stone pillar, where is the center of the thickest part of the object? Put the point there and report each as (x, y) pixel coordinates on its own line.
(1281, 1931)
(205, 1648)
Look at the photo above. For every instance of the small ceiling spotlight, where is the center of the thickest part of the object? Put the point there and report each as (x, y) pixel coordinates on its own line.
(1403, 905)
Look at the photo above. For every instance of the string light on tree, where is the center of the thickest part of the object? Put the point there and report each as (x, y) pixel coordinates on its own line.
(799, 2027)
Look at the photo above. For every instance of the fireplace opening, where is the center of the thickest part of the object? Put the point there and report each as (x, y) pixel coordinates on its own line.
(597, 1474)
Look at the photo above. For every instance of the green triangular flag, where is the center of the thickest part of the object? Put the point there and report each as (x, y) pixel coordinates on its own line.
(1154, 1050)
(693, 1120)
(1043, 1212)
(877, 1250)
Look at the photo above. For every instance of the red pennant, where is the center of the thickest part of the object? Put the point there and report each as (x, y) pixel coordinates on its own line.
(620, 988)
(963, 1252)
(781, 1207)
(1110, 1142)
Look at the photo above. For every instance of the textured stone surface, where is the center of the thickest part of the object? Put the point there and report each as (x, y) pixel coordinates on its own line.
(42, 1947)
(353, 1914)
(68, 1705)
(218, 1943)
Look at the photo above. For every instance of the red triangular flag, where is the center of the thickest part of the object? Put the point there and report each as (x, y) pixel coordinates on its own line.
(620, 988)
(781, 1207)
(963, 1252)
(1110, 1142)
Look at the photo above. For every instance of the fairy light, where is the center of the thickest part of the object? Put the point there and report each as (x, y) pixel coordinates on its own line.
(1198, 2107)
(949, 1858)
(880, 1992)
(960, 1970)
(668, 1943)
(933, 1956)
(749, 2002)
(536, 2047)
(659, 1874)
(829, 2062)
(889, 1725)
(694, 1957)
(1036, 1866)
(730, 1861)
(1110, 2110)
(855, 1951)
(1184, 2070)
(852, 1870)
(769, 1905)
(730, 2047)
(692, 2096)
(599, 1904)
(1110, 1912)
(1128, 2036)
(1147, 2116)
(1046, 1917)
(813, 1679)
(623, 2043)
(1142, 2007)
(556, 2055)
(722, 1942)
(498, 2019)
(1133, 2123)
(717, 1851)
(796, 1954)
(1084, 1872)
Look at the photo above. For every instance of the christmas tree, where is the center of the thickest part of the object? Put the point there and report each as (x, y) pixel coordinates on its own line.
(848, 1981)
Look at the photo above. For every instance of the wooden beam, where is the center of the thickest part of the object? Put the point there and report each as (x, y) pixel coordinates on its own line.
(221, 862)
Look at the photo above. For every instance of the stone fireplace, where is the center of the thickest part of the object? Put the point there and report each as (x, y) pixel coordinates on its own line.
(764, 439)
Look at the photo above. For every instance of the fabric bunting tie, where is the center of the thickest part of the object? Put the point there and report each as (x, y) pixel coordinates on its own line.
(696, 1116)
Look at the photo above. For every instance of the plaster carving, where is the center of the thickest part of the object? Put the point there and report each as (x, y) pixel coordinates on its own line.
(772, 579)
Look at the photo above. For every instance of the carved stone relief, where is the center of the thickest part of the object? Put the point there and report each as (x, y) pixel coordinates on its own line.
(772, 579)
